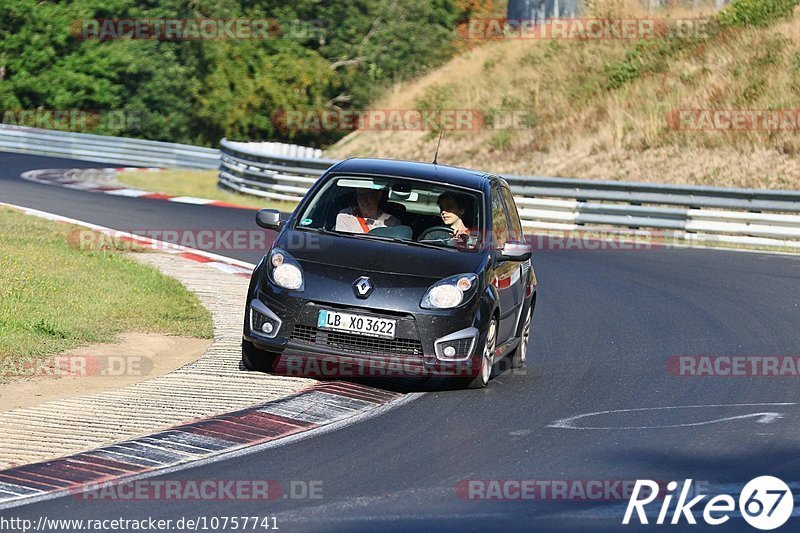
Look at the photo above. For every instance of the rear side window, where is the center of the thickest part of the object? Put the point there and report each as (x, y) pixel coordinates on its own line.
(514, 225)
(499, 220)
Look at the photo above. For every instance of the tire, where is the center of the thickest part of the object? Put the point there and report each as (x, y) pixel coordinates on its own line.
(487, 360)
(255, 359)
(521, 351)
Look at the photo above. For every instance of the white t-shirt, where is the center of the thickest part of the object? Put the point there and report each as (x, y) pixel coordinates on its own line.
(350, 221)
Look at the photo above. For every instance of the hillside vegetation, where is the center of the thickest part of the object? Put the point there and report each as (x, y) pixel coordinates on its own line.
(84, 57)
(606, 109)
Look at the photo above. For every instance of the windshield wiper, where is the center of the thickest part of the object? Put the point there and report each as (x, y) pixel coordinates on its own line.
(411, 242)
(326, 231)
(423, 244)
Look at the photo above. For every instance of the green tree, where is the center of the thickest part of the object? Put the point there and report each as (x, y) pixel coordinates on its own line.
(199, 91)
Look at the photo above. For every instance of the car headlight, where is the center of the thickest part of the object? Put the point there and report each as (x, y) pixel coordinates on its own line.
(284, 271)
(450, 292)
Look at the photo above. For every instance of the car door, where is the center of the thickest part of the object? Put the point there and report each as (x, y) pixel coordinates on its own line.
(506, 272)
(515, 234)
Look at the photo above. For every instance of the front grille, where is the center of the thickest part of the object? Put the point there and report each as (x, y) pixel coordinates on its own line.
(353, 343)
(305, 334)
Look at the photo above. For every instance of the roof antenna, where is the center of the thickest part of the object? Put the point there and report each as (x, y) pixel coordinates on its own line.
(436, 155)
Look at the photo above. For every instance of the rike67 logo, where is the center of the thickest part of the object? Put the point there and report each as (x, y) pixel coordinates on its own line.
(765, 503)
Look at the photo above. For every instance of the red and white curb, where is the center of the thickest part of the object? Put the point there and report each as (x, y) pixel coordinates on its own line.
(102, 180)
(220, 262)
(323, 406)
(318, 406)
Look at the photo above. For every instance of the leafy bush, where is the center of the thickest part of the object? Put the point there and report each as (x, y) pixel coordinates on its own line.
(436, 97)
(645, 57)
(758, 13)
(501, 139)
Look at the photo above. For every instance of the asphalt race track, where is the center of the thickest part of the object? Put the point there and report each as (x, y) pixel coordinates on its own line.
(606, 324)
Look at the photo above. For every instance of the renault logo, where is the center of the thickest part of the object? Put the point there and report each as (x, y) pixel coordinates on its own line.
(363, 287)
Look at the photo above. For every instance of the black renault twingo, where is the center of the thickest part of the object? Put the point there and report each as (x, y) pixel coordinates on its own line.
(408, 268)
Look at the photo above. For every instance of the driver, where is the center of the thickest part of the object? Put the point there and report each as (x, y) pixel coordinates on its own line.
(366, 215)
(452, 209)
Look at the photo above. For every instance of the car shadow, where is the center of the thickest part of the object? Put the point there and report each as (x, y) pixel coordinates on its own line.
(403, 382)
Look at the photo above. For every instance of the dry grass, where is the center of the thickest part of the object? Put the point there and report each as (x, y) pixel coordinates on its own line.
(599, 109)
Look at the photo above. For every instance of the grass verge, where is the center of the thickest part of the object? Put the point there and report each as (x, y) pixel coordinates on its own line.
(196, 183)
(55, 296)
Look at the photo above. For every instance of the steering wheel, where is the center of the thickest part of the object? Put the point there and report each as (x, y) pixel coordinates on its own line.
(444, 233)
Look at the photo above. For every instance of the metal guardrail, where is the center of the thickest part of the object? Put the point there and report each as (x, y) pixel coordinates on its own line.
(120, 150)
(285, 172)
(136, 152)
(248, 168)
(686, 212)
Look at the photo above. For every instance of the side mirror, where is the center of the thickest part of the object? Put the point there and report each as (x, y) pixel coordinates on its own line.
(516, 251)
(269, 219)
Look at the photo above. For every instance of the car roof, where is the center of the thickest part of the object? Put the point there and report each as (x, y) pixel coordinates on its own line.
(461, 177)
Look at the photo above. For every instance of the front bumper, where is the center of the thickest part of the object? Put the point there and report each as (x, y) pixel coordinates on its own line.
(413, 351)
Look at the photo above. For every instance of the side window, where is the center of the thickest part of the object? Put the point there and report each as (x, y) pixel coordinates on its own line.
(515, 226)
(499, 219)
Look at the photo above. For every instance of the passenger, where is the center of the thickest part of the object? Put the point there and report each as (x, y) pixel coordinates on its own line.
(366, 215)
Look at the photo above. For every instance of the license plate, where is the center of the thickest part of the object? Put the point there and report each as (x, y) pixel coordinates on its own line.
(360, 324)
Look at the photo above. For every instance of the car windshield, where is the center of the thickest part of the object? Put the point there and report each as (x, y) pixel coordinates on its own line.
(398, 209)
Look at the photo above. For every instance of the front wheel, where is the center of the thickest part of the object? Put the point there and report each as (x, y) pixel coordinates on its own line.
(521, 352)
(487, 359)
(255, 359)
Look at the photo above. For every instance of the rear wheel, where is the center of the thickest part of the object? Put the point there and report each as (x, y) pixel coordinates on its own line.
(521, 351)
(255, 359)
(487, 359)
